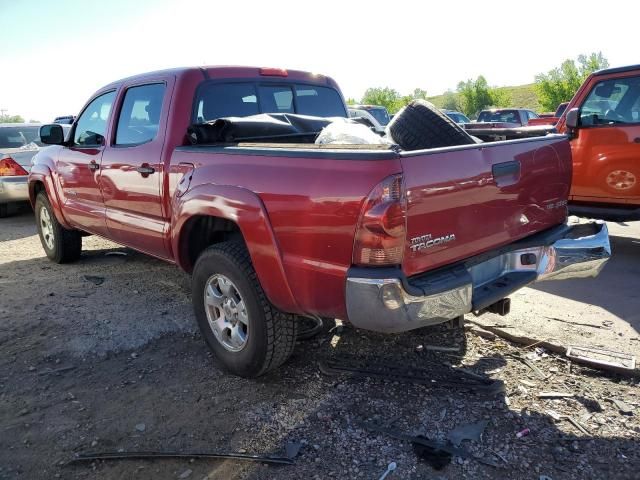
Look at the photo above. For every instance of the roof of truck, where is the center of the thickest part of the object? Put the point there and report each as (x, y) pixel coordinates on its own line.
(235, 71)
(608, 71)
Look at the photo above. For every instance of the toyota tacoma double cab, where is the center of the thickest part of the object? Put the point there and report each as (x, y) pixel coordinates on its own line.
(273, 228)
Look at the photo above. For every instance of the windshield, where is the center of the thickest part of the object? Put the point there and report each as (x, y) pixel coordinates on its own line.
(19, 136)
(506, 116)
(380, 114)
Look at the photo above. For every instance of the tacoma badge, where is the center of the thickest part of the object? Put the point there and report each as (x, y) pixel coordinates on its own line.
(426, 241)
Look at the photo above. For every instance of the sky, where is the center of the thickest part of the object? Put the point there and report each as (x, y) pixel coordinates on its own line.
(55, 54)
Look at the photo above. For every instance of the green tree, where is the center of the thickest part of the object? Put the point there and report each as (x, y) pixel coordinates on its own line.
(387, 97)
(419, 93)
(11, 119)
(475, 95)
(450, 101)
(560, 84)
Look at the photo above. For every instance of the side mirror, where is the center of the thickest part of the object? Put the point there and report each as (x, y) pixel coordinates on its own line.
(573, 118)
(52, 134)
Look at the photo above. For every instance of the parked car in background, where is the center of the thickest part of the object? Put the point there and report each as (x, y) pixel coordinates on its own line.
(65, 120)
(458, 117)
(378, 112)
(551, 119)
(491, 122)
(389, 240)
(19, 142)
(603, 121)
(375, 125)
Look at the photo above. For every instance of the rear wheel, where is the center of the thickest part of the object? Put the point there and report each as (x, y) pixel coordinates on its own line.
(420, 125)
(60, 244)
(247, 334)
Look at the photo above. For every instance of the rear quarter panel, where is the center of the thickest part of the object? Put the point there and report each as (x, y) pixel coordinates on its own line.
(312, 205)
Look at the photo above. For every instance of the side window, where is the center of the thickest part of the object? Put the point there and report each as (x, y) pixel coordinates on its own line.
(612, 102)
(220, 100)
(92, 124)
(532, 115)
(140, 115)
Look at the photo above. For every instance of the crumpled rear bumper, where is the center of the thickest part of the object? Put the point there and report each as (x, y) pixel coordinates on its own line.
(386, 301)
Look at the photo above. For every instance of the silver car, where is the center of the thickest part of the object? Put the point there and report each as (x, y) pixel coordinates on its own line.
(19, 142)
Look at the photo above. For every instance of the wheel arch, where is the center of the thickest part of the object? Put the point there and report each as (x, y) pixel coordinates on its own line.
(209, 214)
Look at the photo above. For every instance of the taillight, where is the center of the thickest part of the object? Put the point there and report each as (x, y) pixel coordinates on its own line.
(8, 167)
(381, 229)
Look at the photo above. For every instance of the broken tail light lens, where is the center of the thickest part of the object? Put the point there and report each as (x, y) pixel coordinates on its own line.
(9, 167)
(381, 231)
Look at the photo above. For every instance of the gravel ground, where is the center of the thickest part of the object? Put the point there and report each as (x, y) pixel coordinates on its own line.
(110, 363)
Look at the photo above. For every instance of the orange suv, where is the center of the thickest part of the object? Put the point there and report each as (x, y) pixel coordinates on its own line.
(604, 120)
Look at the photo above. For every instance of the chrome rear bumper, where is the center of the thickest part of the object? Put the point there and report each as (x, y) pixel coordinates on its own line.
(14, 189)
(385, 303)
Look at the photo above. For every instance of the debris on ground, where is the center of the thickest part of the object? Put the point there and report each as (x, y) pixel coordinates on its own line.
(601, 358)
(90, 457)
(96, 280)
(555, 395)
(624, 408)
(292, 449)
(471, 431)
(141, 427)
(390, 468)
(523, 433)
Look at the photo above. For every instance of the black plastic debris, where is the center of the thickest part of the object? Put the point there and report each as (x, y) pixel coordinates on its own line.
(432, 455)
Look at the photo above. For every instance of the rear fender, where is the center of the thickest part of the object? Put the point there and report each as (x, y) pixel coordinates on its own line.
(246, 210)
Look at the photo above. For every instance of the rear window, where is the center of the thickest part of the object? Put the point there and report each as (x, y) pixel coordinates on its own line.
(217, 100)
(16, 137)
(507, 116)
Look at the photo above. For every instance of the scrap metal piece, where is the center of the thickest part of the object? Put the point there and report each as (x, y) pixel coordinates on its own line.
(624, 408)
(600, 358)
(89, 457)
(575, 423)
(531, 365)
(555, 395)
(471, 431)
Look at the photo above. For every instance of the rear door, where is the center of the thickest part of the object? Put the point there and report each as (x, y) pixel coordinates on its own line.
(133, 168)
(78, 166)
(606, 150)
(462, 201)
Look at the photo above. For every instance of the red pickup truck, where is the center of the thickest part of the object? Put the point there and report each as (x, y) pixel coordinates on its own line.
(389, 240)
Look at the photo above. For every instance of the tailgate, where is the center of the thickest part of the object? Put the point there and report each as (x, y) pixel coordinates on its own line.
(462, 201)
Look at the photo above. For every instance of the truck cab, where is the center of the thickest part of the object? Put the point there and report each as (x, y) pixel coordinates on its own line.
(606, 145)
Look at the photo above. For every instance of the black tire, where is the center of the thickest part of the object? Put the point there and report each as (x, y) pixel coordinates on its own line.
(271, 334)
(420, 125)
(66, 245)
(4, 210)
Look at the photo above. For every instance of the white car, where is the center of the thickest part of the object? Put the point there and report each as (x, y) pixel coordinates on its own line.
(19, 142)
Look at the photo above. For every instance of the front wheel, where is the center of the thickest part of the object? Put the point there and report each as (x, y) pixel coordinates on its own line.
(60, 244)
(247, 334)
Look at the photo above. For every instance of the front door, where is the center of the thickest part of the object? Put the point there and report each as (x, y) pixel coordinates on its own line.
(78, 166)
(132, 169)
(606, 151)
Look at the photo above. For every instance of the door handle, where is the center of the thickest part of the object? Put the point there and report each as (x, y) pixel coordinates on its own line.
(506, 173)
(506, 168)
(145, 170)
(93, 166)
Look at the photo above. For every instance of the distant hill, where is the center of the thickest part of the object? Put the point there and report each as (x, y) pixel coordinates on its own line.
(523, 96)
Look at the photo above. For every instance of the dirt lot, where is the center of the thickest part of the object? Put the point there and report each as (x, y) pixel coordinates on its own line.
(103, 355)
